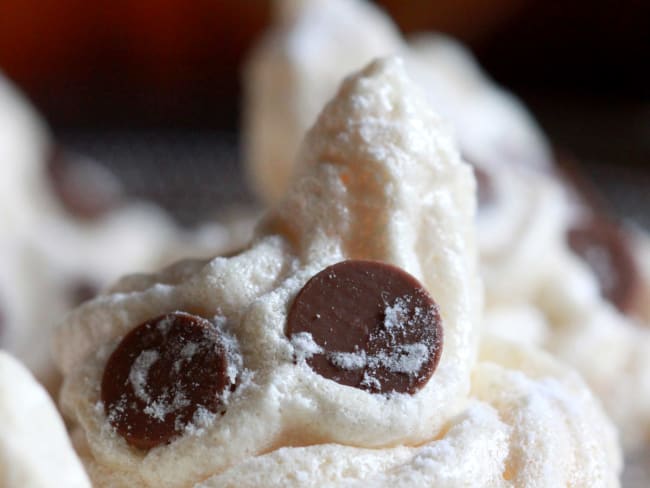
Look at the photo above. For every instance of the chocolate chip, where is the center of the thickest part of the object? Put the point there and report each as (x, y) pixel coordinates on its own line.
(485, 192)
(167, 375)
(82, 290)
(606, 249)
(368, 325)
(85, 189)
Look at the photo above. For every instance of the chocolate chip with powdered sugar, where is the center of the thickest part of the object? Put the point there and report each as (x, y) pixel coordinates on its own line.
(85, 189)
(369, 325)
(486, 193)
(166, 376)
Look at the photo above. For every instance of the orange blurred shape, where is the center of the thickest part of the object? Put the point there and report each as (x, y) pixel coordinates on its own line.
(43, 40)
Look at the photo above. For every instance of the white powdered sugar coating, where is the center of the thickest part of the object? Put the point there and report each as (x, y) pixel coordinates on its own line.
(394, 315)
(165, 324)
(166, 404)
(406, 358)
(304, 346)
(235, 370)
(140, 371)
(380, 179)
(370, 382)
(189, 350)
(201, 420)
(185, 355)
(115, 412)
(348, 360)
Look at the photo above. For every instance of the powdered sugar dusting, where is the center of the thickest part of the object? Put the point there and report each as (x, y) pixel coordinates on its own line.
(402, 358)
(140, 372)
(407, 359)
(397, 349)
(304, 346)
(116, 411)
(395, 315)
(201, 420)
(164, 324)
(162, 406)
(370, 381)
(349, 360)
(235, 360)
(186, 354)
(189, 350)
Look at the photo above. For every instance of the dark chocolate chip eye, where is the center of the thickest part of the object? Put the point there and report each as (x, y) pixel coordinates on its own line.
(369, 325)
(485, 190)
(166, 376)
(82, 290)
(604, 246)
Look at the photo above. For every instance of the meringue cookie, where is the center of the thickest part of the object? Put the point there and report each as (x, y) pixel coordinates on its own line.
(380, 180)
(366, 176)
(523, 225)
(581, 275)
(295, 70)
(607, 347)
(24, 143)
(534, 276)
(34, 447)
(493, 127)
(313, 44)
(520, 230)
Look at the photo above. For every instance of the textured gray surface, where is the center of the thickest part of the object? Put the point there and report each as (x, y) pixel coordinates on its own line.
(190, 174)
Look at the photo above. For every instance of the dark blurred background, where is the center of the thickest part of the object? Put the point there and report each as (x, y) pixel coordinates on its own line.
(174, 65)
